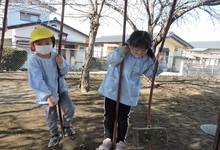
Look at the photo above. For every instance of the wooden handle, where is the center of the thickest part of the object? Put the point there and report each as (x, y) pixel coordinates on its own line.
(156, 63)
(59, 52)
(119, 81)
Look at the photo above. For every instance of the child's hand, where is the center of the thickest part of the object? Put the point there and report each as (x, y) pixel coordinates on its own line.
(59, 59)
(124, 49)
(159, 57)
(50, 101)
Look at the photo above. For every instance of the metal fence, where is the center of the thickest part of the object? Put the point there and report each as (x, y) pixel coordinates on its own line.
(18, 61)
(14, 58)
(202, 68)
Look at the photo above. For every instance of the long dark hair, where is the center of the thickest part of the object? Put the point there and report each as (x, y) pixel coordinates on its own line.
(142, 40)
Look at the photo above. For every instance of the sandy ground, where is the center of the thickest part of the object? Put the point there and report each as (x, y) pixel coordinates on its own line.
(180, 105)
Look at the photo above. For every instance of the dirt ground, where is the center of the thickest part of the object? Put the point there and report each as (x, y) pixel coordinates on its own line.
(179, 104)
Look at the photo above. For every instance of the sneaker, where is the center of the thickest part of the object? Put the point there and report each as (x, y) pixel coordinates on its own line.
(69, 131)
(120, 146)
(54, 140)
(106, 145)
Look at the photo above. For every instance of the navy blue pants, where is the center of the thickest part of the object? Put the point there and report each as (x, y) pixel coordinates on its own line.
(109, 118)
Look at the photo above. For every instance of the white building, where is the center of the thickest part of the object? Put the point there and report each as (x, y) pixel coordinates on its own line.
(172, 50)
(22, 20)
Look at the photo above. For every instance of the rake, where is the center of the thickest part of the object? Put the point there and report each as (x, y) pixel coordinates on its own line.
(77, 140)
(153, 135)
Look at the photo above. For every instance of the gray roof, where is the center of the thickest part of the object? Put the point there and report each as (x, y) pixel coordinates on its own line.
(111, 38)
(178, 39)
(44, 23)
(206, 44)
(204, 55)
(118, 38)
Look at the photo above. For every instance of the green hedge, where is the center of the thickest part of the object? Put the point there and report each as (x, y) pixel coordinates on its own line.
(13, 59)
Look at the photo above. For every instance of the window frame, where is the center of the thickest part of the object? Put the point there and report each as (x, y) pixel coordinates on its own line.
(26, 16)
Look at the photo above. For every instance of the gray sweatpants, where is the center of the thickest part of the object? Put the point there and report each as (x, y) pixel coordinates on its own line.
(52, 113)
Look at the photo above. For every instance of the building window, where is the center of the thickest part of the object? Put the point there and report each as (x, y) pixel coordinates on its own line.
(54, 25)
(29, 17)
(165, 52)
(69, 46)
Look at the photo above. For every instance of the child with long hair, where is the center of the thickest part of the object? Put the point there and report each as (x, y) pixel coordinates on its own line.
(137, 59)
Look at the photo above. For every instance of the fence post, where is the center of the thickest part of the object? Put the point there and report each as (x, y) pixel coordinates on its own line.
(213, 66)
(68, 56)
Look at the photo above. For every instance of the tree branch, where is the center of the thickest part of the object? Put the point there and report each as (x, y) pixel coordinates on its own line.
(122, 13)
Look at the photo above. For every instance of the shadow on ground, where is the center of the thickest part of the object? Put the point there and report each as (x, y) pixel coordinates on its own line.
(179, 104)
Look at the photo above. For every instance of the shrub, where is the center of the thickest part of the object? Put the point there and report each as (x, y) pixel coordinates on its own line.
(13, 58)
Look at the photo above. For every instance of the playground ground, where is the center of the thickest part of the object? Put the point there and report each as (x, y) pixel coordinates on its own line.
(180, 104)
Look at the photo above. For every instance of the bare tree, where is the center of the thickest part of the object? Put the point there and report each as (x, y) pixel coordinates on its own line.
(87, 10)
(156, 12)
(95, 10)
(82, 10)
(40, 4)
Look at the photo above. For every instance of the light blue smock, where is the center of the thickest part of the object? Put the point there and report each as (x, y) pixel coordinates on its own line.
(133, 68)
(43, 77)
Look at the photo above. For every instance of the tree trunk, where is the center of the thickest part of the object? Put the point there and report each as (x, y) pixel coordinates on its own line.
(84, 80)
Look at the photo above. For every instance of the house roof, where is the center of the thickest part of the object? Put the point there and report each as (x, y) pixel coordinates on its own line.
(110, 39)
(55, 20)
(39, 3)
(44, 23)
(204, 56)
(206, 44)
(64, 42)
(31, 24)
(118, 38)
(179, 40)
